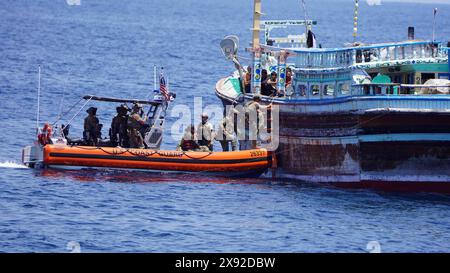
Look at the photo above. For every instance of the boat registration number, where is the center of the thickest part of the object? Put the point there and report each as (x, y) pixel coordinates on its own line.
(257, 153)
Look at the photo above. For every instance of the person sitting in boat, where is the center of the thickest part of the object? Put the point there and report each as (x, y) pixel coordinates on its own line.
(118, 132)
(205, 133)
(188, 142)
(91, 122)
(248, 80)
(272, 82)
(288, 77)
(135, 123)
(268, 88)
(226, 135)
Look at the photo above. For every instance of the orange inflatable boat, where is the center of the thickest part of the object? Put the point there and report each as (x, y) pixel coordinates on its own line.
(238, 163)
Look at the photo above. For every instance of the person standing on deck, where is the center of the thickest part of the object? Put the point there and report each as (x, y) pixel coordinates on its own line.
(247, 80)
(226, 134)
(205, 133)
(254, 109)
(135, 124)
(118, 133)
(91, 126)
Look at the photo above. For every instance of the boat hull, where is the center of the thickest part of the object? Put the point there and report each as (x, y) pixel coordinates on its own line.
(365, 142)
(389, 150)
(241, 163)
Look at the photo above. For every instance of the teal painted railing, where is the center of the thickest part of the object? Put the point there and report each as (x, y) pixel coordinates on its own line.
(368, 55)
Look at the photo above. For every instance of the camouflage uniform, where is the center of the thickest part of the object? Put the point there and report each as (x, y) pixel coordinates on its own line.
(135, 123)
(119, 134)
(226, 132)
(205, 135)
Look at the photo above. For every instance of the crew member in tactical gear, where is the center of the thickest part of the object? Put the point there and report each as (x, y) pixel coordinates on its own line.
(135, 123)
(118, 133)
(91, 127)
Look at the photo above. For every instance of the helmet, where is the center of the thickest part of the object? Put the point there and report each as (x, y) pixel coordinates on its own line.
(92, 110)
(137, 106)
(123, 108)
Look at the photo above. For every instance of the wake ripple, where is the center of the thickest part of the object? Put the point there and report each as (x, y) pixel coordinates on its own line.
(12, 165)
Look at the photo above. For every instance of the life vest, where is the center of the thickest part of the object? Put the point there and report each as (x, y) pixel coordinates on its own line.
(187, 145)
(45, 135)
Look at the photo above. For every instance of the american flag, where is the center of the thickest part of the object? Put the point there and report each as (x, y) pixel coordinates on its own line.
(163, 88)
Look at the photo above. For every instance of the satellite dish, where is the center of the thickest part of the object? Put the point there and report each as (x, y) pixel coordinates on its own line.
(229, 45)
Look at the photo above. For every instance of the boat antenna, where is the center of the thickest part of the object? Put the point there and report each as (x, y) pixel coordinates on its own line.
(38, 99)
(434, 24)
(355, 23)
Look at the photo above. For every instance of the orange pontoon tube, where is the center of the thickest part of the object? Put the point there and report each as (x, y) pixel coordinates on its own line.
(248, 162)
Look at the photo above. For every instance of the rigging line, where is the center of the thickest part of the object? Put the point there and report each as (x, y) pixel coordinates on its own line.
(76, 114)
(305, 13)
(68, 111)
(61, 102)
(243, 58)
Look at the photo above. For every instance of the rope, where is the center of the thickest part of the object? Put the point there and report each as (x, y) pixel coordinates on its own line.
(198, 158)
(65, 113)
(146, 154)
(76, 114)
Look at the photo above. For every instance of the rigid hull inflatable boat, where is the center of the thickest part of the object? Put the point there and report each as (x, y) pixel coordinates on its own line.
(55, 149)
(238, 163)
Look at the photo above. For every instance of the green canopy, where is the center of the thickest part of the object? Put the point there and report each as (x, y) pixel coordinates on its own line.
(380, 78)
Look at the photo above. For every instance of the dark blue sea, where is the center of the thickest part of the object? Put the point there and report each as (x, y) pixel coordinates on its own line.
(108, 48)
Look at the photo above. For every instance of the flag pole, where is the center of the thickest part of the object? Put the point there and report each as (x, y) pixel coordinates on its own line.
(154, 77)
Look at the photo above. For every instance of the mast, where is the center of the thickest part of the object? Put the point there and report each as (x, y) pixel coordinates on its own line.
(434, 24)
(305, 12)
(256, 73)
(256, 23)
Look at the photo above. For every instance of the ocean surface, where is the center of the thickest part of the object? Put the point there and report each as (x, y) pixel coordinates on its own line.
(108, 48)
